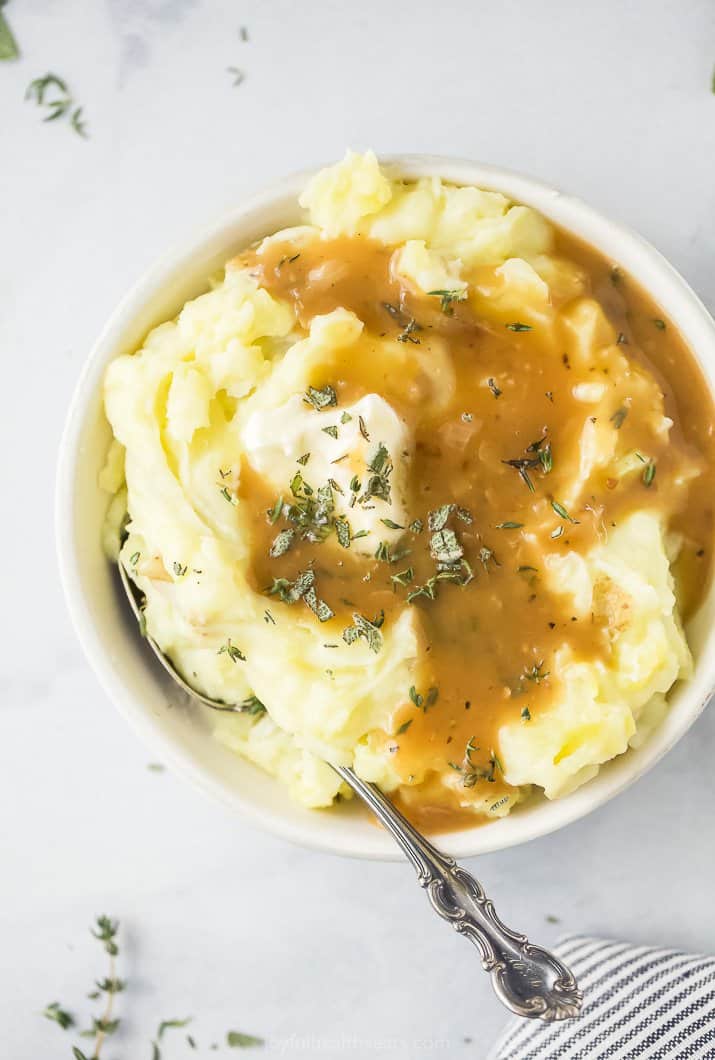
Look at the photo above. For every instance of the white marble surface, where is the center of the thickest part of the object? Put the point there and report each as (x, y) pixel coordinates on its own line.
(237, 929)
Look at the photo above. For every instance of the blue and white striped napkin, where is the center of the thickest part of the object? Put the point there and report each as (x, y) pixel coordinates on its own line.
(639, 1002)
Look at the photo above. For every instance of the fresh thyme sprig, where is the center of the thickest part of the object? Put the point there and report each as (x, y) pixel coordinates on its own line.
(53, 94)
(103, 1026)
(470, 772)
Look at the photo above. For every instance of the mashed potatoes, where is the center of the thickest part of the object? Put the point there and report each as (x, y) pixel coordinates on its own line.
(391, 493)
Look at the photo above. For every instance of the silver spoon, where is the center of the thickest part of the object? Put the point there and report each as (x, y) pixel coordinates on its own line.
(529, 980)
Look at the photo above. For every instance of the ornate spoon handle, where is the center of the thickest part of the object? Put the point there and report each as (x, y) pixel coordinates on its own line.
(527, 979)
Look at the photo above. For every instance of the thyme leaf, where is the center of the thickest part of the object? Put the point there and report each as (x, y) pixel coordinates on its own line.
(426, 701)
(562, 513)
(55, 1012)
(235, 654)
(239, 1040)
(448, 297)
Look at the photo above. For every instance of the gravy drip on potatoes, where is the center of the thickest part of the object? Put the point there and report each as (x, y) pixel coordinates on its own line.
(477, 389)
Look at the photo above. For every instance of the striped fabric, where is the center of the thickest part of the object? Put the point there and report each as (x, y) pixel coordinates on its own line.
(639, 1002)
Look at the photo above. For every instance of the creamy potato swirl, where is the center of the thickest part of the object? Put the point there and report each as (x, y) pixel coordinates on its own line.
(421, 484)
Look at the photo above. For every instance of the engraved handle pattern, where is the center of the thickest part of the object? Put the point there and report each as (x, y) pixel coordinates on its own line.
(529, 980)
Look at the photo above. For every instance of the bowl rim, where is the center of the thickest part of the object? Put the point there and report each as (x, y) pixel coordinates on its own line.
(576, 216)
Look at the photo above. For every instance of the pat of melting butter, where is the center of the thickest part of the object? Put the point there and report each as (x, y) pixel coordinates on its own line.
(276, 440)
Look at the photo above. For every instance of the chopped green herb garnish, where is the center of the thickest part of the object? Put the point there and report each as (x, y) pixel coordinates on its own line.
(522, 465)
(494, 388)
(536, 674)
(166, 1025)
(660, 324)
(235, 654)
(303, 588)
(345, 417)
(618, 417)
(332, 431)
(378, 483)
(281, 543)
(391, 525)
(408, 334)
(562, 513)
(320, 398)
(403, 578)
(444, 547)
(363, 429)
(59, 1015)
(382, 552)
(649, 473)
(179, 571)
(274, 513)
(448, 297)
(546, 458)
(303, 459)
(426, 701)
(518, 326)
(311, 512)
(437, 519)
(134, 558)
(342, 531)
(228, 496)
(319, 607)
(486, 556)
(404, 727)
(59, 104)
(239, 1040)
(509, 526)
(416, 526)
(526, 714)
(369, 631)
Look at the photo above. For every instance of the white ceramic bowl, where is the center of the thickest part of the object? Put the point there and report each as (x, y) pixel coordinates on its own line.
(178, 732)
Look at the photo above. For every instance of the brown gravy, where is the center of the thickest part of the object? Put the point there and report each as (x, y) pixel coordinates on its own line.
(489, 646)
